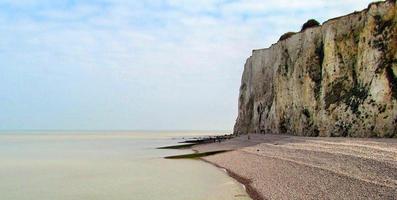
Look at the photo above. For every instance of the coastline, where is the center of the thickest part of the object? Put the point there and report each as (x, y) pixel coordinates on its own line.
(291, 167)
(251, 191)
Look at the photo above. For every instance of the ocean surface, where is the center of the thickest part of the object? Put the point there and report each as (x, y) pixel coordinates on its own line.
(107, 165)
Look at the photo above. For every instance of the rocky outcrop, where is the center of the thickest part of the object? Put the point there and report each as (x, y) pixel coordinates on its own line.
(338, 79)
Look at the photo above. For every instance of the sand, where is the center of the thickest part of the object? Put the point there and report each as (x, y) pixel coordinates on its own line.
(289, 167)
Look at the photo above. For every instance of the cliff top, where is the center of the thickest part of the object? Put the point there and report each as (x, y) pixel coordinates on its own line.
(288, 35)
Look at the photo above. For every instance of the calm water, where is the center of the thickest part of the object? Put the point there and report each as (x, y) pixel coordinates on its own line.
(104, 165)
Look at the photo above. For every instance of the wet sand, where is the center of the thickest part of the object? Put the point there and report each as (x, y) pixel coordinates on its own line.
(289, 167)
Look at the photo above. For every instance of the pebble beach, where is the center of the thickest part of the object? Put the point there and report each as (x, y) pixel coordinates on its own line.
(291, 167)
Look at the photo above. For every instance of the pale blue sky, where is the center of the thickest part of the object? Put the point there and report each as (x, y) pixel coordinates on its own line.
(148, 64)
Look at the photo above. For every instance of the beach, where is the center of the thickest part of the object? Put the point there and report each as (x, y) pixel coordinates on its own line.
(291, 167)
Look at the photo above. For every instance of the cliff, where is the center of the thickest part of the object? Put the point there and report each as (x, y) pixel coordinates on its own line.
(337, 79)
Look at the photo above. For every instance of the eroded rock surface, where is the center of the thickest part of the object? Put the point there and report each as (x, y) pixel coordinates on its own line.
(338, 79)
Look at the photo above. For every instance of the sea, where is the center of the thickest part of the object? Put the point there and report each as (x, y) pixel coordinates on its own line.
(107, 165)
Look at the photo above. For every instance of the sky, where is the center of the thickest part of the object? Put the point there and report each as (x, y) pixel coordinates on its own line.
(137, 65)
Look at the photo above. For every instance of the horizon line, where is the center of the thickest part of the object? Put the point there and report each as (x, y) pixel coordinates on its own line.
(109, 130)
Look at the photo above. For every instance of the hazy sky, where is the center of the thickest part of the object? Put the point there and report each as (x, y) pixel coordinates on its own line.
(143, 64)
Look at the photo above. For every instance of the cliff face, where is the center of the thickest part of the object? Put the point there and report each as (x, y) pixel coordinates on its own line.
(338, 79)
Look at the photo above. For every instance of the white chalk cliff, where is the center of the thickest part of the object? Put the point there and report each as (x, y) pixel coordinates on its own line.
(337, 79)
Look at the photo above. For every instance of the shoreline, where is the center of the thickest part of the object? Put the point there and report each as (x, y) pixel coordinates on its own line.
(290, 167)
(251, 191)
(213, 140)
